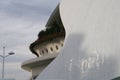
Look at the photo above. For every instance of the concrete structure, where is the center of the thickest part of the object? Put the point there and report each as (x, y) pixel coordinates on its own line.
(35, 66)
(50, 41)
(92, 43)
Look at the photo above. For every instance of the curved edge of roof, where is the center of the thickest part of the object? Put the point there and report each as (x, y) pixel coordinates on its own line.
(49, 23)
(29, 64)
(52, 16)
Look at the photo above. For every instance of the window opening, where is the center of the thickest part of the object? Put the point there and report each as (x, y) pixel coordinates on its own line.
(51, 48)
(42, 52)
(46, 50)
(56, 47)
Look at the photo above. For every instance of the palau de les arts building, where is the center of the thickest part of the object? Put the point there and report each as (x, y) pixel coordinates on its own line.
(80, 42)
(47, 46)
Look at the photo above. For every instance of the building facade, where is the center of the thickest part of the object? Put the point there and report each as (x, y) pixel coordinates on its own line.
(48, 45)
(90, 32)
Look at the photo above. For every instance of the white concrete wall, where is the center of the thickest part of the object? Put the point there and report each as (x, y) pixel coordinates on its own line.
(92, 45)
(38, 69)
(51, 47)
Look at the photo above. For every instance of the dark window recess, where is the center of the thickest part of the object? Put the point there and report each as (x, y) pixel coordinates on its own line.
(42, 52)
(46, 50)
(51, 48)
(56, 47)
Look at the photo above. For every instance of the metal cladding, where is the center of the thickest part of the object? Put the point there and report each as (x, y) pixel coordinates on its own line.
(54, 29)
(48, 45)
(92, 42)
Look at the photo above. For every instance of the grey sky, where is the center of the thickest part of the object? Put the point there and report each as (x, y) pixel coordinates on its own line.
(20, 22)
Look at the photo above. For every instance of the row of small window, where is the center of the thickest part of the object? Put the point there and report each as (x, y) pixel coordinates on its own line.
(51, 49)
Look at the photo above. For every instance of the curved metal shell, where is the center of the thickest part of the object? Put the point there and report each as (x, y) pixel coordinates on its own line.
(92, 44)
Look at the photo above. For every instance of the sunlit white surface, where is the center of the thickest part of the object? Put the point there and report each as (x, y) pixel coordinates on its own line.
(92, 45)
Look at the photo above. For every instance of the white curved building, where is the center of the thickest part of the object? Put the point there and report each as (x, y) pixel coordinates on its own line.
(92, 43)
(47, 46)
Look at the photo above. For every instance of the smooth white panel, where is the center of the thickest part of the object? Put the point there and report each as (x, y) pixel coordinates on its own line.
(92, 45)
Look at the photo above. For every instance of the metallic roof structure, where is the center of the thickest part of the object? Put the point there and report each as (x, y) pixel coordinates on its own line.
(92, 43)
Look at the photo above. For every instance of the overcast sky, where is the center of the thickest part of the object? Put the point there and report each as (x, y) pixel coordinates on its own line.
(20, 22)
